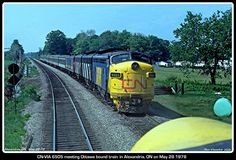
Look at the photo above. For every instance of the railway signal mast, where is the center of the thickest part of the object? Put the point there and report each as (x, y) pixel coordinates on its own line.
(14, 69)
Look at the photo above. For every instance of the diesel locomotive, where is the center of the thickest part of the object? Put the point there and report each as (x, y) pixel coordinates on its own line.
(124, 78)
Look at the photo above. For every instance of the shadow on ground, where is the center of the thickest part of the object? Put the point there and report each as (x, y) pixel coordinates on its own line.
(157, 109)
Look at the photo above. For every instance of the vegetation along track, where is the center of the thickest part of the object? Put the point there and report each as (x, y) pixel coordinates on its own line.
(70, 129)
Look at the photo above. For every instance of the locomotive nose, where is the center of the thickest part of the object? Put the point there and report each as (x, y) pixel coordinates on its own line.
(135, 66)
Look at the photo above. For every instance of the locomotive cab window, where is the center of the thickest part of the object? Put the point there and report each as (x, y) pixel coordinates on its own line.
(120, 58)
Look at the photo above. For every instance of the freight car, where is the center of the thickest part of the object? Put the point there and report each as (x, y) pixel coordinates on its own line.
(122, 77)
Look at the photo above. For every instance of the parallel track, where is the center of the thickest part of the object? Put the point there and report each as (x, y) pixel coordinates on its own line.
(69, 131)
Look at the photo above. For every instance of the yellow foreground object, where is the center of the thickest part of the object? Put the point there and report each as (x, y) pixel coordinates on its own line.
(182, 133)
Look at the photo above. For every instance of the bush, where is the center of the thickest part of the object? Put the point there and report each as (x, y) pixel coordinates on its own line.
(30, 91)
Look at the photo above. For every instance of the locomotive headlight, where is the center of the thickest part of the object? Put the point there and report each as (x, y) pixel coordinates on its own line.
(116, 75)
(151, 74)
(135, 66)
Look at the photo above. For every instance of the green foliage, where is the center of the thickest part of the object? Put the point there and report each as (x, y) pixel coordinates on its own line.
(34, 71)
(15, 121)
(89, 41)
(13, 130)
(55, 43)
(31, 92)
(7, 57)
(207, 41)
(16, 51)
(151, 45)
(158, 49)
(28, 92)
(109, 39)
(85, 41)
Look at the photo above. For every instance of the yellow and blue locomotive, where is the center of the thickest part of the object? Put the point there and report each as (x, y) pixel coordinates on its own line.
(125, 78)
(131, 81)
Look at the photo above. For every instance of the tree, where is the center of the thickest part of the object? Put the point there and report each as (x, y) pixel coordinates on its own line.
(216, 42)
(207, 40)
(176, 50)
(109, 39)
(70, 45)
(190, 35)
(17, 51)
(89, 41)
(138, 42)
(82, 42)
(93, 42)
(158, 48)
(55, 43)
(123, 39)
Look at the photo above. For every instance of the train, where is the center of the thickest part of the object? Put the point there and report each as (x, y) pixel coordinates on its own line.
(123, 78)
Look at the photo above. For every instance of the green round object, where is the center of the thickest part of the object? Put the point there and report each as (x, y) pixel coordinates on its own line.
(222, 107)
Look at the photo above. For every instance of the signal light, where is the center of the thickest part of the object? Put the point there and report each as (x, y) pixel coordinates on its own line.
(135, 66)
(13, 69)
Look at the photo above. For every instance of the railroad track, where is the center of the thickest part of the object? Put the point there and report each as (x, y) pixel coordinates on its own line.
(70, 129)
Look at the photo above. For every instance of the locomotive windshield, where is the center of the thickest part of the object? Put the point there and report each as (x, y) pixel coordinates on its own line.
(136, 56)
(120, 58)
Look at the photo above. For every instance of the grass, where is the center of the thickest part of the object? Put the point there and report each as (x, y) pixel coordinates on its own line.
(164, 74)
(14, 130)
(199, 97)
(14, 121)
(34, 71)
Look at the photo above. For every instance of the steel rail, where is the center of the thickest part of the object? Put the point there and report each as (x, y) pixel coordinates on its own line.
(54, 112)
(78, 116)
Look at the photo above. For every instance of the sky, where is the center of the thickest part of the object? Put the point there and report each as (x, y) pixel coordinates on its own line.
(30, 23)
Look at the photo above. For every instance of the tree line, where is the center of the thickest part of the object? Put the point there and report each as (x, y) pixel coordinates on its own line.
(57, 43)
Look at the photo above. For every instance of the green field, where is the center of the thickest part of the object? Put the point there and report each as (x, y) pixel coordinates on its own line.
(199, 96)
(164, 75)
